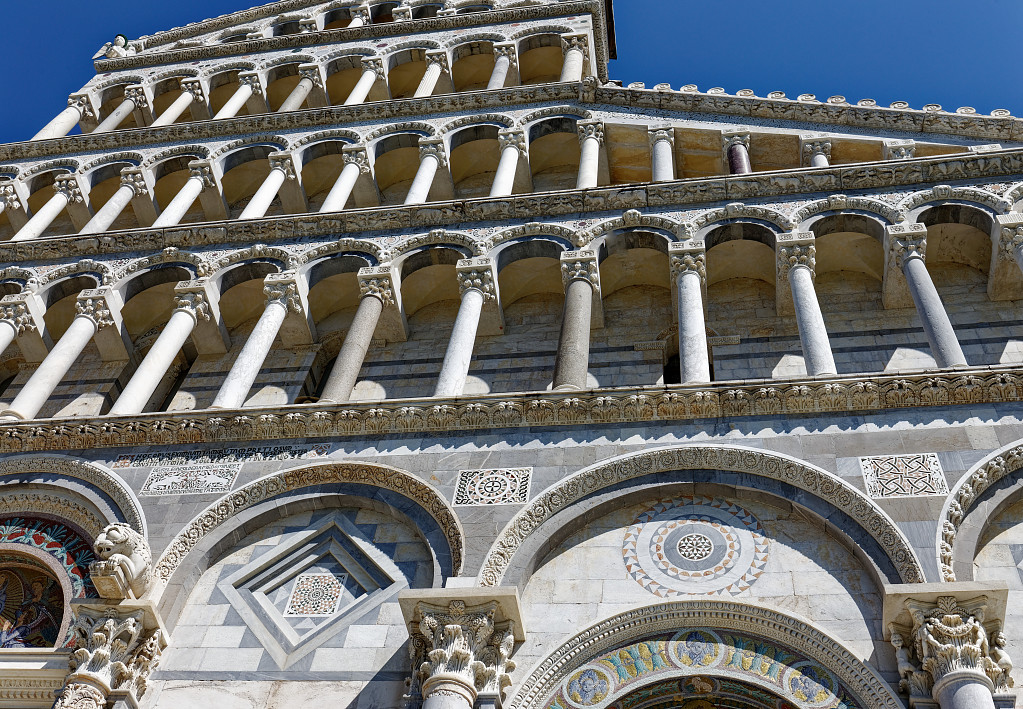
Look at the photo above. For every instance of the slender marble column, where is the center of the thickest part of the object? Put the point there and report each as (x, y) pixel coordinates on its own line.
(907, 248)
(816, 149)
(282, 296)
(376, 292)
(191, 91)
(200, 178)
(281, 169)
(574, 48)
(372, 69)
(662, 150)
(356, 164)
(133, 184)
(796, 262)
(138, 392)
(78, 105)
(580, 275)
(66, 191)
(360, 18)
(591, 136)
(504, 58)
(248, 86)
(736, 147)
(436, 64)
(134, 97)
(93, 312)
(431, 159)
(476, 285)
(513, 145)
(310, 79)
(688, 270)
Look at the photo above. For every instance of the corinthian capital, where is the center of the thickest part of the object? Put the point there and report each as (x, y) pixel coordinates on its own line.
(376, 282)
(796, 249)
(192, 297)
(356, 155)
(68, 186)
(476, 274)
(898, 149)
(136, 179)
(812, 144)
(375, 65)
(285, 163)
(506, 49)
(9, 196)
(137, 95)
(17, 310)
(194, 87)
(590, 129)
(433, 147)
(95, 305)
(83, 103)
(512, 138)
(906, 241)
(251, 79)
(580, 265)
(1010, 241)
(688, 257)
(203, 170)
(283, 288)
(577, 41)
(311, 71)
(438, 57)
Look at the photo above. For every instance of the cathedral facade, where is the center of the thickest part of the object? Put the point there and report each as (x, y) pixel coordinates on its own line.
(391, 355)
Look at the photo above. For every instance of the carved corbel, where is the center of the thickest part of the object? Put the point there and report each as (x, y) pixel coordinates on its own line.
(212, 196)
(202, 299)
(688, 256)
(292, 192)
(318, 96)
(813, 144)
(123, 569)
(292, 291)
(584, 265)
(480, 274)
(24, 311)
(1005, 277)
(901, 242)
(142, 203)
(103, 307)
(792, 250)
(76, 191)
(382, 282)
(898, 150)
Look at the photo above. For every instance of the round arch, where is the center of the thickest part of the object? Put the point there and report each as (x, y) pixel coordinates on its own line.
(757, 645)
(876, 528)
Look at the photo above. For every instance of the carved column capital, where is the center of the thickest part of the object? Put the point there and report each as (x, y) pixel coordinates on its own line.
(512, 138)
(578, 40)
(283, 288)
(95, 304)
(375, 65)
(252, 80)
(9, 196)
(688, 257)
(356, 155)
(898, 149)
(193, 86)
(135, 178)
(17, 310)
(83, 103)
(433, 147)
(402, 14)
(191, 296)
(506, 49)
(1010, 241)
(659, 133)
(311, 72)
(730, 139)
(906, 241)
(794, 250)
(580, 265)
(590, 129)
(137, 95)
(811, 144)
(68, 185)
(476, 274)
(438, 57)
(362, 12)
(308, 24)
(285, 162)
(377, 282)
(203, 170)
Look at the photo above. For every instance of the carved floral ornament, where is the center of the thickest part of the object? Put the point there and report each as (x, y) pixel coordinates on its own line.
(718, 457)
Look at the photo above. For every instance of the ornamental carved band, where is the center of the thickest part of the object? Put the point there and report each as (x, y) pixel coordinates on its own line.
(688, 257)
(590, 129)
(356, 155)
(282, 288)
(580, 265)
(907, 241)
(93, 304)
(377, 283)
(476, 274)
(68, 186)
(132, 177)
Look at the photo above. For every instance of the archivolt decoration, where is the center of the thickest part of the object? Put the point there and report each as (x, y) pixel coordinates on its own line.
(943, 193)
(754, 644)
(634, 219)
(841, 203)
(287, 481)
(1003, 462)
(738, 210)
(703, 457)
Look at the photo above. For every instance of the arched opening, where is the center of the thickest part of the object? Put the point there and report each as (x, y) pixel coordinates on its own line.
(285, 28)
(426, 10)
(343, 74)
(475, 154)
(32, 614)
(472, 64)
(322, 164)
(245, 170)
(540, 59)
(222, 87)
(405, 71)
(554, 153)
(475, 7)
(41, 191)
(382, 12)
(109, 99)
(280, 82)
(337, 19)
(396, 163)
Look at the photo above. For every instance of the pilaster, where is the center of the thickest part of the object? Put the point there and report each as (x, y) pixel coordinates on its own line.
(1005, 277)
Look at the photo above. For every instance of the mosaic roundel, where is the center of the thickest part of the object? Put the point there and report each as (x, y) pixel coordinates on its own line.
(695, 545)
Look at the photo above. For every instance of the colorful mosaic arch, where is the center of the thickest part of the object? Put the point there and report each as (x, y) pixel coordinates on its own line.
(65, 545)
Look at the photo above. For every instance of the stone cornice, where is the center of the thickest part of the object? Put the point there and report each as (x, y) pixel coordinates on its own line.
(846, 178)
(598, 407)
(408, 27)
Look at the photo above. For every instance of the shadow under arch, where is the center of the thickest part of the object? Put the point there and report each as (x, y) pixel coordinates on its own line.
(780, 653)
(847, 510)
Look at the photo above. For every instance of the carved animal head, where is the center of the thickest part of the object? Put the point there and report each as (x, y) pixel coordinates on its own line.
(118, 538)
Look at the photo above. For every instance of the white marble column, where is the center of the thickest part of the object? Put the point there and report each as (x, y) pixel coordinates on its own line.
(688, 262)
(376, 291)
(200, 178)
(797, 263)
(248, 86)
(581, 277)
(476, 286)
(66, 190)
(372, 69)
(93, 311)
(591, 137)
(133, 184)
(310, 79)
(513, 147)
(574, 47)
(436, 64)
(662, 154)
(907, 246)
(356, 163)
(736, 149)
(78, 106)
(504, 60)
(281, 297)
(191, 92)
(190, 307)
(282, 168)
(360, 17)
(134, 99)
(432, 157)
(815, 149)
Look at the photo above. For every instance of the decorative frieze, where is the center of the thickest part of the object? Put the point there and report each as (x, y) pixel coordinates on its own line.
(207, 478)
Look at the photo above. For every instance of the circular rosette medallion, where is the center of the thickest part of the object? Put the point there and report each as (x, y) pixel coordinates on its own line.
(587, 687)
(695, 545)
(811, 684)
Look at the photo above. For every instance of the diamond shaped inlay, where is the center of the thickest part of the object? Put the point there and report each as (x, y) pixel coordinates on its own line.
(316, 595)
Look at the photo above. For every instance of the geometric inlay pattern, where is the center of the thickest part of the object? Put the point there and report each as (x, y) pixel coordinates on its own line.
(493, 486)
(695, 545)
(903, 475)
(316, 595)
(191, 479)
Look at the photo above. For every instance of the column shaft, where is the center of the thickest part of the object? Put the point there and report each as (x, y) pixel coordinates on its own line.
(504, 178)
(362, 88)
(589, 159)
(116, 117)
(264, 196)
(250, 360)
(452, 700)
(235, 103)
(812, 333)
(964, 692)
(338, 196)
(41, 384)
(459, 353)
(357, 21)
(420, 188)
(110, 211)
(429, 81)
(181, 203)
(573, 360)
(61, 125)
(155, 365)
(175, 110)
(663, 165)
(7, 334)
(345, 372)
(499, 75)
(572, 68)
(297, 96)
(942, 338)
(43, 218)
(738, 159)
(819, 160)
(693, 356)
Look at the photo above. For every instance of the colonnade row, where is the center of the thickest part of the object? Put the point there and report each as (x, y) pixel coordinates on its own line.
(285, 317)
(433, 178)
(252, 86)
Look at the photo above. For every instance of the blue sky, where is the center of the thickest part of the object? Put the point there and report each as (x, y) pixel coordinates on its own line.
(949, 52)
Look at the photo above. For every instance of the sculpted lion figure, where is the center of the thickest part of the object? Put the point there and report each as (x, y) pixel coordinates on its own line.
(119, 547)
